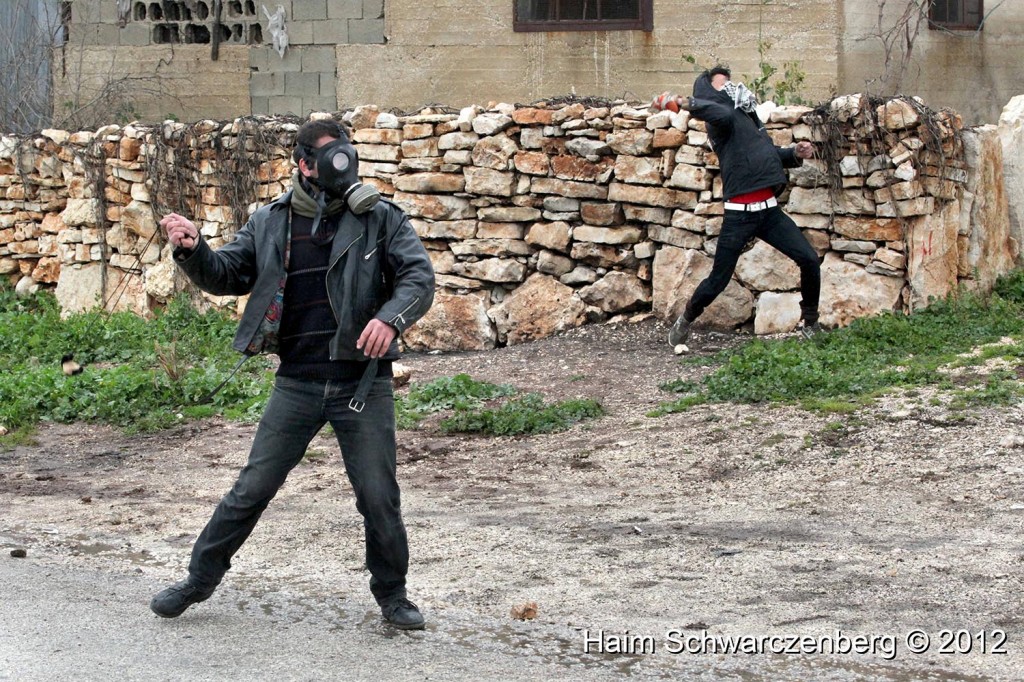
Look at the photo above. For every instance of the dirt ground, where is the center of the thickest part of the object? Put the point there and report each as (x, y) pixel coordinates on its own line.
(899, 519)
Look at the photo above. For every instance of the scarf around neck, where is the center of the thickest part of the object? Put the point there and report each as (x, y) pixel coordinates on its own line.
(742, 98)
(305, 204)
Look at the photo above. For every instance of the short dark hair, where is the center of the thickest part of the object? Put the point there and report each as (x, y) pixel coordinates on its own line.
(311, 131)
(719, 70)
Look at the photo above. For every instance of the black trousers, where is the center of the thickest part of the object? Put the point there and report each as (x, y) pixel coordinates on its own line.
(775, 228)
(294, 414)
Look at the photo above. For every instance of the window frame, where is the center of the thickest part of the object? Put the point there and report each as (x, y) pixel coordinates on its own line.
(950, 26)
(645, 22)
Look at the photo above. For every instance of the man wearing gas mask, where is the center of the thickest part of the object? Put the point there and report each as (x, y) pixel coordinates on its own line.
(753, 175)
(334, 274)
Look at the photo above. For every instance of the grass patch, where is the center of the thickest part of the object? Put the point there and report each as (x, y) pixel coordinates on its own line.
(466, 397)
(140, 374)
(847, 368)
(527, 414)
(459, 392)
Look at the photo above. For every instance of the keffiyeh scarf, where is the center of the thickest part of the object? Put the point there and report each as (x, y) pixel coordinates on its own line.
(742, 98)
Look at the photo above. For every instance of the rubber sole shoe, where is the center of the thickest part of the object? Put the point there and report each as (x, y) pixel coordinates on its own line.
(679, 332)
(171, 602)
(402, 614)
(809, 331)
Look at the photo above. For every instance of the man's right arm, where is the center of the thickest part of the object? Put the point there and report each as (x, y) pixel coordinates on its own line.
(229, 271)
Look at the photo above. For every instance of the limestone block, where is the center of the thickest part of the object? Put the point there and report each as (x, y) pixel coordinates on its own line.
(1011, 136)
(607, 235)
(568, 188)
(646, 214)
(386, 135)
(418, 148)
(487, 230)
(617, 292)
(651, 196)
(554, 235)
(532, 163)
(581, 274)
(682, 238)
(459, 140)
(489, 182)
(435, 206)
(532, 116)
(428, 183)
(602, 214)
(492, 270)
(454, 322)
(603, 255)
(46, 270)
(685, 176)
(632, 142)
(897, 114)
(491, 123)
(572, 168)
(444, 229)
(849, 292)
(540, 307)
(639, 170)
(993, 250)
(81, 212)
(508, 214)
(869, 229)
(764, 268)
(378, 152)
(501, 248)
(551, 263)
(80, 288)
(589, 149)
(820, 200)
(494, 152)
(777, 313)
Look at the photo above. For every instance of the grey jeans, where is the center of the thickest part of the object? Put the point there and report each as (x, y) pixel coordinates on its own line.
(296, 411)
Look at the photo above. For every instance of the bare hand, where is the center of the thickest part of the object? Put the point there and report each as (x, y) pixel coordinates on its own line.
(376, 338)
(181, 231)
(804, 150)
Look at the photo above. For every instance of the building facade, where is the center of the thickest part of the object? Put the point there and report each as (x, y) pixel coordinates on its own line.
(195, 59)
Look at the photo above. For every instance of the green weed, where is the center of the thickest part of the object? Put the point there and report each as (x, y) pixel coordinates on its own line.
(847, 368)
(527, 414)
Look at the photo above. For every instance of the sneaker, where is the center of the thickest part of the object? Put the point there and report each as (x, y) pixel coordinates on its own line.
(403, 614)
(172, 601)
(680, 331)
(809, 331)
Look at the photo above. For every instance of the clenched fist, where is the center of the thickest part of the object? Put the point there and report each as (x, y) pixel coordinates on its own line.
(181, 231)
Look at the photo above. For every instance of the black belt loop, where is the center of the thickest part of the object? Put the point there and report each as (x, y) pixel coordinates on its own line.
(358, 401)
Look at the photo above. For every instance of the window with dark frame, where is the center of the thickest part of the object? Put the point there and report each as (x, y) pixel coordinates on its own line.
(956, 15)
(583, 15)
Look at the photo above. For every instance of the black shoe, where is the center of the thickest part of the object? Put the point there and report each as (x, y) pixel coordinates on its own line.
(403, 614)
(172, 601)
(680, 331)
(809, 331)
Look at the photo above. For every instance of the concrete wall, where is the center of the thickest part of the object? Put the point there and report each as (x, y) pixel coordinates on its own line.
(975, 73)
(439, 51)
(159, 81)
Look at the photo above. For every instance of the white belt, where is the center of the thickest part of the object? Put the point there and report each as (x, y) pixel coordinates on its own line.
(756, 206)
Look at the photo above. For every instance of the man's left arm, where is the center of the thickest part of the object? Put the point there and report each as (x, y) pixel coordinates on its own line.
(794, 156)
(412, 278)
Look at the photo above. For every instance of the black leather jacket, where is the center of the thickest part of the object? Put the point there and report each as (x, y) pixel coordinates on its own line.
(749, 159)
(357, 287)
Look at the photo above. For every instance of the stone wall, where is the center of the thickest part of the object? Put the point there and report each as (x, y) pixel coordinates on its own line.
(537, 219)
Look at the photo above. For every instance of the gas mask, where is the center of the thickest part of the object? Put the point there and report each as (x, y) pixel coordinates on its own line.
(337, 167)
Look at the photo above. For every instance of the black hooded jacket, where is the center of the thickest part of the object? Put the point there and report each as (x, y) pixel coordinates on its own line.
(749, 159)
